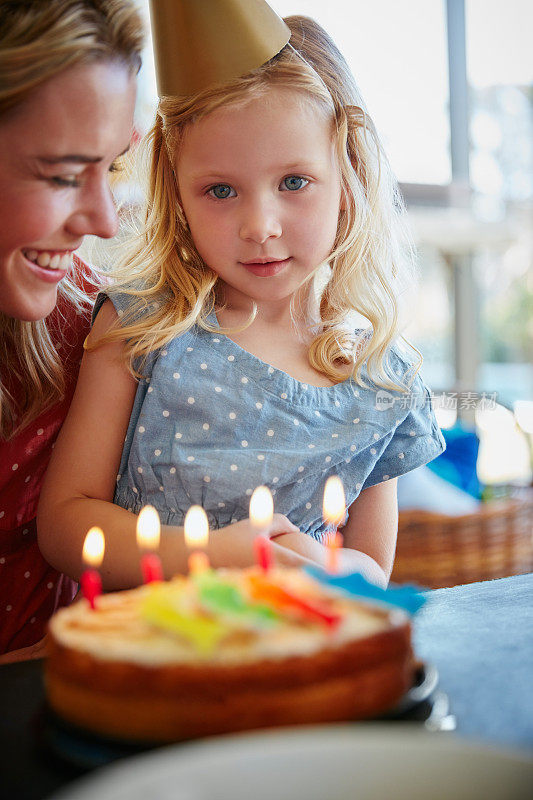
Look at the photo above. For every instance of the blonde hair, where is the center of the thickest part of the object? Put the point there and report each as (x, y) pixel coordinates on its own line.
(171, 287)
(39, 39)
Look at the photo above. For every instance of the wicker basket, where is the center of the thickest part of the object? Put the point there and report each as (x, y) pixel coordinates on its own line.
(436, 550)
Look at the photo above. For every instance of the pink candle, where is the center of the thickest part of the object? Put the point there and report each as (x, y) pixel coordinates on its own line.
(261, 513)
(148, 536)
(151, 568)
(263, 552)
(91, 586)
(93, 554)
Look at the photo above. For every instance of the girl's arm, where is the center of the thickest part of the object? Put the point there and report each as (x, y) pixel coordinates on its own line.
(370, 533)
(80, 483)
(369, 536)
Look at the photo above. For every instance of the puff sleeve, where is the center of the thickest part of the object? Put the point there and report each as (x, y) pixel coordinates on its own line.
(415, 438)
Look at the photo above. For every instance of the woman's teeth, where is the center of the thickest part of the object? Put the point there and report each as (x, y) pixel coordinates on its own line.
(49, 260)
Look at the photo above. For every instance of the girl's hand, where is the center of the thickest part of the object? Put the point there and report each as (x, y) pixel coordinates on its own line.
(303, 545)
(349, 560)
(233, 546)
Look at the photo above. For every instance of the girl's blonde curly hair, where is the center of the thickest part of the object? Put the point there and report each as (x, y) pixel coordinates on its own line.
(171, 287)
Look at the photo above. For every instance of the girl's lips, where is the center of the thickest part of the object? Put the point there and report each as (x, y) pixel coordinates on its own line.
(265, 270)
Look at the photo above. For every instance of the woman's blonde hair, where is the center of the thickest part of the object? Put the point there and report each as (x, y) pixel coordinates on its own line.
(171, 287)
(38, 40)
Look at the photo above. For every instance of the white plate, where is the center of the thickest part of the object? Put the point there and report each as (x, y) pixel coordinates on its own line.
(335, 762)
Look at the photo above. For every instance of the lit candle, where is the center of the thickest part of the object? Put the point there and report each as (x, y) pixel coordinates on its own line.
(334, 511)
(148, 536)
(93, 554)
(196, 531)
(261, 513)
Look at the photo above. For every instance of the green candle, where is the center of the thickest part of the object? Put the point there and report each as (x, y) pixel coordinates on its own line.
(226, 600)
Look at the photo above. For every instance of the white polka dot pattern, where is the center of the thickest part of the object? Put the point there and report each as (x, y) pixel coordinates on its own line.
(215, 422)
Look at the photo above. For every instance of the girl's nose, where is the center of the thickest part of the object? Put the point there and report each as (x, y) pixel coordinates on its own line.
(97, 215)
(259, 223)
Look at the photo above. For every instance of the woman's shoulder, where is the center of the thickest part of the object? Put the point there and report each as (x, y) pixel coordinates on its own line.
(70, 321)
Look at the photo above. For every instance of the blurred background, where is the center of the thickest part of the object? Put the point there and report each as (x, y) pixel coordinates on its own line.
(449, 84)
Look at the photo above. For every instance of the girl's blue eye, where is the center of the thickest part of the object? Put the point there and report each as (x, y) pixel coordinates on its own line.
(221, 191)
(293, 183)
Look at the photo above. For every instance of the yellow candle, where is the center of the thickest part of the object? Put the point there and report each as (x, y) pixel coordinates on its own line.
(196, 532)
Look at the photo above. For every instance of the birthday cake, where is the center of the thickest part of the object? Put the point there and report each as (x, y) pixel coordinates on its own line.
(224, 651)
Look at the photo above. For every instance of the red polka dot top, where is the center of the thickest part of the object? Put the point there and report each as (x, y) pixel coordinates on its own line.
(30, 589)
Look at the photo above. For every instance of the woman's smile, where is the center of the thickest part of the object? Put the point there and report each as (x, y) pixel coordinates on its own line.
(50, 266)
(54, 179)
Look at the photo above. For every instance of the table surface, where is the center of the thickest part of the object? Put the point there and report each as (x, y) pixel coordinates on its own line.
(479, 636)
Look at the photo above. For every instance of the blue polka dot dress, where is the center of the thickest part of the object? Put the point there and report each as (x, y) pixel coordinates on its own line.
(210, 422)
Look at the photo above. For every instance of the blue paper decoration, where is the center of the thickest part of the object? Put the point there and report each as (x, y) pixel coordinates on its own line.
(406, 597)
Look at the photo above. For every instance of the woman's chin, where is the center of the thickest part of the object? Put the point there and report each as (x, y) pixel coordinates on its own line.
(30, 307)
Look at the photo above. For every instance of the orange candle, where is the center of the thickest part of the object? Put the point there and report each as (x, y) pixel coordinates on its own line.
(333, 543)
(93, 554)
(334, 512)
(148, 538)
(277, 597)
(196, 532)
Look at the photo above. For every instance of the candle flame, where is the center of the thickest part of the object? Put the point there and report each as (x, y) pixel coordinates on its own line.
(148, 528)
(93, 547)
(334, 507)
(196, 527)
(261, 508)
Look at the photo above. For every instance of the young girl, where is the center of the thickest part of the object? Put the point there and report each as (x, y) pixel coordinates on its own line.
(67, 95)
(227, 356)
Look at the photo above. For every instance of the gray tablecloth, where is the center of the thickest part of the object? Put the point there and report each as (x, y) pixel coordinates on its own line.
(480, 638)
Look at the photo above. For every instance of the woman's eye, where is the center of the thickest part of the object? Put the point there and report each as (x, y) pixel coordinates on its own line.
(293, 183)
(69, 180)
(221, 191)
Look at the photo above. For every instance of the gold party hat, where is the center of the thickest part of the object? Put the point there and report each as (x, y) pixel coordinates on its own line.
(199, 43)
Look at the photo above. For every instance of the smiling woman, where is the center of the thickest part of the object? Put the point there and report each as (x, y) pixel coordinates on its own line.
(67, 78)
(54, 178)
